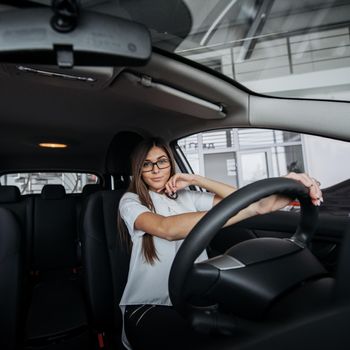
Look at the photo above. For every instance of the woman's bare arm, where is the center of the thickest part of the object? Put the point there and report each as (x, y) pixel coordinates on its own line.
(181, 180)
(177, 227)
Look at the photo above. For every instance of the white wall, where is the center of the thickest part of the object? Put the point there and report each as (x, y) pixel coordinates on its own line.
(327, 160)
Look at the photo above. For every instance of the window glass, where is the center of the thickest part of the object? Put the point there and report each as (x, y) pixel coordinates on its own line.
(34, 182)
(189, 143)
(221, 166)
(241, 156)
(278, 48)
(217, 140)
(286, 136)
(254, 166)
(248, 138)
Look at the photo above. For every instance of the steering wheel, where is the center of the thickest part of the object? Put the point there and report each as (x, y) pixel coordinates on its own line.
(252, 274)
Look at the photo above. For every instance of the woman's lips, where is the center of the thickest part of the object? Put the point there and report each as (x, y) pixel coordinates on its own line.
(157, 179)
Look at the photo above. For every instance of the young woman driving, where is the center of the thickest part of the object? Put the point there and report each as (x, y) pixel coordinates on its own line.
(159, 211)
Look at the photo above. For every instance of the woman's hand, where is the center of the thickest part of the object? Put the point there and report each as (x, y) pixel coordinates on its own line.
(312, 184)
(276, 202)
(178, 182)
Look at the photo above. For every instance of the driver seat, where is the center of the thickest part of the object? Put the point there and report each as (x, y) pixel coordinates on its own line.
(105, 256)
(106, 262)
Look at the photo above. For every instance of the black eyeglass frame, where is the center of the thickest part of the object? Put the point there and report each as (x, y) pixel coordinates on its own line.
(156, 163)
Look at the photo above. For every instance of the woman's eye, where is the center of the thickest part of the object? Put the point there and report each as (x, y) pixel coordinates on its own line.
(163, 161)
(147, 164)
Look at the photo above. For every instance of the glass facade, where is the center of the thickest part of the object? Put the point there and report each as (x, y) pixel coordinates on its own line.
(281, 48)
(242, 156)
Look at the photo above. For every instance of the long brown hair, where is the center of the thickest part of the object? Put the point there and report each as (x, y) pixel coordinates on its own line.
(138, 186)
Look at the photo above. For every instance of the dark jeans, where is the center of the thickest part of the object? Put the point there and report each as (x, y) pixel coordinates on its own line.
(159, 327)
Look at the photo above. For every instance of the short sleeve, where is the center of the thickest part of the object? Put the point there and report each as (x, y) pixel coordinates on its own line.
(203, 201)
(130, 208)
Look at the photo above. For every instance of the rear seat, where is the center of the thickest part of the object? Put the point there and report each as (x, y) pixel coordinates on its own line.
(57, 312)
(90, 189)
(54, 305)
(11, 278)
(22, 208)
(55, 230)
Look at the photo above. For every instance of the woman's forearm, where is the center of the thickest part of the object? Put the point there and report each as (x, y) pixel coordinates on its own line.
(179, 226)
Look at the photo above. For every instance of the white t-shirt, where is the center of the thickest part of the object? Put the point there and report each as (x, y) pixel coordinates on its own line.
(148, 284)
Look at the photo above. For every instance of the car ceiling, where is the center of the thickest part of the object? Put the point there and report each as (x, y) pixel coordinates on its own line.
(87, 116)
(36, 108)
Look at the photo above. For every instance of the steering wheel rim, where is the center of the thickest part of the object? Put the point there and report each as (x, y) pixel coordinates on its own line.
(206, 229)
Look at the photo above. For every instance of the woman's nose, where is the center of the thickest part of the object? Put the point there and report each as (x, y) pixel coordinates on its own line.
(155, 169)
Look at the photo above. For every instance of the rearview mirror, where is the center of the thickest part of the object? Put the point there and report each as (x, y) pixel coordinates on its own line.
(26, 36)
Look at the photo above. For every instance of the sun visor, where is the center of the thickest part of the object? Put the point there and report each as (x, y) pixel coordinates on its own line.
(170, 98)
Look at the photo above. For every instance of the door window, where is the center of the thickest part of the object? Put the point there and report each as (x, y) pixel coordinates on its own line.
(254, 166)
(241, 156)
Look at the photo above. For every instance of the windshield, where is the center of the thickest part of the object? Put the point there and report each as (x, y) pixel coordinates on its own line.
(283, 48)
(298, 48)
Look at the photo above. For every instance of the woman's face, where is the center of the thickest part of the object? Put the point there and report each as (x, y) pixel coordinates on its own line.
(156, 175)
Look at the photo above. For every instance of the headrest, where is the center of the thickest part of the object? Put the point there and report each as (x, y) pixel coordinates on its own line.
(53, 192)
(91, 188)
(119, 152)
(9, 194)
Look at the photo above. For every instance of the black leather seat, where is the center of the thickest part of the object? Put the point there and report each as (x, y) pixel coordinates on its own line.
(22, 208)
(105, 255)
(57, 311)
(90, 189)
(106, 263)
(55, 230)
(11, 278)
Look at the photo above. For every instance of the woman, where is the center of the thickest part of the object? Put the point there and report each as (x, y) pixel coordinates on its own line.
(159, 212)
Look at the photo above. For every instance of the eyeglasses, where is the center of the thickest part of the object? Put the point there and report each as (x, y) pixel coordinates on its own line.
(162, 163)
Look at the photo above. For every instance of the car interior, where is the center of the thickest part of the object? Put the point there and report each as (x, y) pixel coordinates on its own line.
(97, 77)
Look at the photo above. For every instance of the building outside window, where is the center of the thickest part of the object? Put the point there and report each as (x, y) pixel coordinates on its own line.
(31, 183)
(242, 156)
